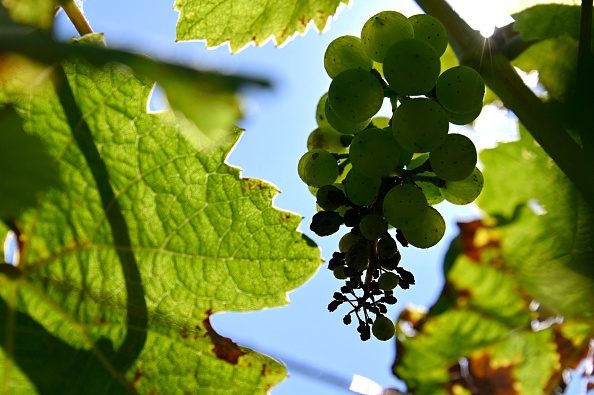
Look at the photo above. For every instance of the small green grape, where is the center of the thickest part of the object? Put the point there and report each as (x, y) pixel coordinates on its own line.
(355, 95)
(347, 241)
(342, 126)
(374, 152)
(464, 118)
(326, 139)
(345, 53)
(420, 125)
(411, 67)
(386, 247)
(383, 30)
(455, 159)
(318, 168)
(465, 191)
(405, 206)
(339, 273)
(357, 257)
(330, 197)
(431, 191)
(361, 190)
(373, 226)
(430, 30)
(460, 89)
(430, 231)
(388, 281)
(383, 328)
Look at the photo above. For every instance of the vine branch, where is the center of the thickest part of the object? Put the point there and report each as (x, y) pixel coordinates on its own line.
(76, 17)
(482, 54)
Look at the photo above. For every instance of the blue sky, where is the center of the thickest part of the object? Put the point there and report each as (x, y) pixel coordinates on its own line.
(322, 354)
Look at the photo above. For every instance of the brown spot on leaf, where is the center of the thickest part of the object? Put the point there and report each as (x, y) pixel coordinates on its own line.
(476, 237)
(286, 218)
(137, 376)
(224, 348)
(484, 379)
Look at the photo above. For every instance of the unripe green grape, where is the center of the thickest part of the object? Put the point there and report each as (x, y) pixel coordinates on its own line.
(321, 119)
(326, 139)
(430, 231)
(357, 257)
(465, 191)
(455, 159)
(386, 247)
(373, 226)
(383, 328)
(374, 152)
(460, 89)
(464, 118)
(317, 168)
(405, 206)
(420, 125)
(430, 30)
(431, 191)
(383, 30)
(339, 273)
(345, 53)
(411, 67)
(380, 122)
(387, 281)
(348, 240)
(355, 95)
(341, 125)
(330, 197)
(361, 190)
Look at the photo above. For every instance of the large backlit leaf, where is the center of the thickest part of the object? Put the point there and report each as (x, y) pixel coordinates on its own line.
(32, 12)
(122, 267)
(241, 22)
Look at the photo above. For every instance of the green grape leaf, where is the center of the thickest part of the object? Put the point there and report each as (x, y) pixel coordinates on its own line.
(241, 22)
(545, 21)
(550, 244)
(206, 98)
(27, 169)
(38, 13)
(149, 234)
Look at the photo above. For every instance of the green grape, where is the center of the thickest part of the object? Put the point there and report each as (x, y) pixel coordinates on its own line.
(430, 30)
(386, 247)
(383, 328)
(374, 152)
(464, 118)
(460, 89)
(339, 273)
(430, 231)
(405, 206)
(465, 191)
(455, 159)
(431, 191)
(345, 53)
(361, 190)
(355, 95)
(388, 281)
(380, 122)
(411, 67)
(420, 125)
(383, 30)
(321, 112)
(330, 198)
(348, 240)
(373, 226)
(326, 139)
(317, 168)
(357, 257)
(340, 125)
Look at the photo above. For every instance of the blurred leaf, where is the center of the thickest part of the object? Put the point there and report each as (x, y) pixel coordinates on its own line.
(38, 13)
(206, 98)
(546, 21)
(550, 247)
(241, 22)
(123, 266)
(27, 170)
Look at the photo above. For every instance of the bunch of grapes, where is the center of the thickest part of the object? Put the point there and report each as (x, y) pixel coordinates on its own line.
(377, 175)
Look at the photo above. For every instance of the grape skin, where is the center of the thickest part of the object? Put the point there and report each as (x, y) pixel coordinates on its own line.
(465, 191)
(355, 95)
(361, 190)
(373, 226)
(430, 30)
(343, 126)
(405, 206)
(460, 89)
(420, 125)
(383, 30)
(455, 159)
(430, 231)
(383, 328)
(411, 67)
(345, 53)
(318, 168)
(374, 152)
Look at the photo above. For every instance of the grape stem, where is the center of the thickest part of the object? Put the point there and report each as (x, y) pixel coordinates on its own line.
(487, 58)
(76, 17)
